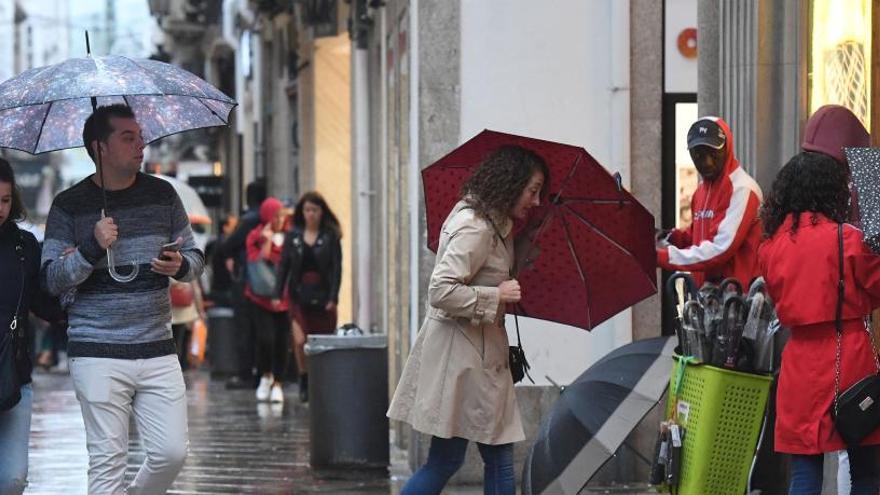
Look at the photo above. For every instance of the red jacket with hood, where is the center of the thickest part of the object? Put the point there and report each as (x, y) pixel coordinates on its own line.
(254, 246)
(722, 241)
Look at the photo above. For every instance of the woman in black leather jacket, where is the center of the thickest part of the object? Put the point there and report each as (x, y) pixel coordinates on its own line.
(19, 295)
(311, 270)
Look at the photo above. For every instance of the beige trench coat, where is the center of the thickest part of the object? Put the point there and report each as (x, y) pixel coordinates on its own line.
(456, 382)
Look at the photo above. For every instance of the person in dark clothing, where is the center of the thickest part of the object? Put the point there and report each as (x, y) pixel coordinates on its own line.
(235, 247)
(222, 267)
(19, 294)
(311, 270)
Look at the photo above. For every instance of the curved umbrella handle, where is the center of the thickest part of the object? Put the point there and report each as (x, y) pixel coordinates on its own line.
(111, 267)
(111, 263)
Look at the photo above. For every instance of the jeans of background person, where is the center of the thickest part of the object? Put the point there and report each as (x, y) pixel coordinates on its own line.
(15, 426)
(110, 393)
(182, 338)
(272, 331)
(806, 472)
(446, 456)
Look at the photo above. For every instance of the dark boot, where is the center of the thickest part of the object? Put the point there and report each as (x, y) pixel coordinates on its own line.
(304, 388)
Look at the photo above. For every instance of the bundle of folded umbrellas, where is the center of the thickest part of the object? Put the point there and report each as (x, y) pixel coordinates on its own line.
(721, 325)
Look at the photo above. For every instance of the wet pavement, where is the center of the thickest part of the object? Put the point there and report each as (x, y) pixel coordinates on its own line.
(236, 444)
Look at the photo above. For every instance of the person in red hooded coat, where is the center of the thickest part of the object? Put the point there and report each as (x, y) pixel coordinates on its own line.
(722, 240)
(800, 264)
(267, 314)
(830, 130)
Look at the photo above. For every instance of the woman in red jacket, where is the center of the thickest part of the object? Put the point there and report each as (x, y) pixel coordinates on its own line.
(799, 262)
(267, 315)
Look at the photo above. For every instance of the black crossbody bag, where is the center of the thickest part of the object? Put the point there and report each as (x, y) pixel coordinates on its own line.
(11, 343)
(855, 411)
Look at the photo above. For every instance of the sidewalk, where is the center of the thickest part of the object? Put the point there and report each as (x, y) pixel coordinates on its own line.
(236, 446)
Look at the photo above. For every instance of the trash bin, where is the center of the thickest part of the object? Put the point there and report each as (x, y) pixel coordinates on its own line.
(348, 398)
(222, 342)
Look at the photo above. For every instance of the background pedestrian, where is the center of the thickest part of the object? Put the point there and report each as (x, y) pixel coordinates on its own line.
(311, 272)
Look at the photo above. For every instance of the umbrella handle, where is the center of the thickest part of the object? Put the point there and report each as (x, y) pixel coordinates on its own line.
(111, 264)
(116, 275)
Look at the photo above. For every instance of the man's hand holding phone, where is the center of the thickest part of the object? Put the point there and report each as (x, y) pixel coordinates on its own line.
(169, 259)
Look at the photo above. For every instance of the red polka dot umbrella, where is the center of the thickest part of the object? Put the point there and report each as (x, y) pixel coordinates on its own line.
(596, 240)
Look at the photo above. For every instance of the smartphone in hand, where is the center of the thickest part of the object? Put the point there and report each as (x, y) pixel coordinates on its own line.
(171, 246)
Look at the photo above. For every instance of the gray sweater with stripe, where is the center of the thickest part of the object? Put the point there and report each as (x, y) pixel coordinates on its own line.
(108, 318)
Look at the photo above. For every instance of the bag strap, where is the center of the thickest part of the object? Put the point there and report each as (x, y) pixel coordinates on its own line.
(838, 314)
(19, 251)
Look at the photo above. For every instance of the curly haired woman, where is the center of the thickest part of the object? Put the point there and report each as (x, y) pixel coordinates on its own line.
(801, 216)
(456, 385)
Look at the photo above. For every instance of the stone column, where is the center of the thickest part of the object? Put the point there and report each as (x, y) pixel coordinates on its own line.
(707, 57)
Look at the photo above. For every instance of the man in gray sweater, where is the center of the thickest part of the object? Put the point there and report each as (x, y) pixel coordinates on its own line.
(122, 355)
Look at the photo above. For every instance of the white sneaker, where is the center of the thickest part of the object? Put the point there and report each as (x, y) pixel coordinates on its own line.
(263, 389)
(277, 395)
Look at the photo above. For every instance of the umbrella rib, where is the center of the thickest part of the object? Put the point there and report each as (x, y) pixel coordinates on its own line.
(580, 269)
(212, 111)
(598, 231)
(604, 236)
(570, 174)
(42, 126)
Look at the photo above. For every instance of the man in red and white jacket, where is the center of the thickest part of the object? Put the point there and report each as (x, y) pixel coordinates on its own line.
(722, 241)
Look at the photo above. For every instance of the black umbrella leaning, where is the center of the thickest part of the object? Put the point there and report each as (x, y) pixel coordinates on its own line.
(44, 109)
(595, 414)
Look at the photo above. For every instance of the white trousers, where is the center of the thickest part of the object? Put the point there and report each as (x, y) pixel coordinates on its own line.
(109, 392)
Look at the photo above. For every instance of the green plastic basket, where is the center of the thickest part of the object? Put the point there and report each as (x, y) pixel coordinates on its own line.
(722, 412)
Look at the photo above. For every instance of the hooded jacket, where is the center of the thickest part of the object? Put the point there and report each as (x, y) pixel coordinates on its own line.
(254, 245)
(722, 241)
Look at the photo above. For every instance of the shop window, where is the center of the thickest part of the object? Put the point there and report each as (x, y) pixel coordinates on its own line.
(840, 55)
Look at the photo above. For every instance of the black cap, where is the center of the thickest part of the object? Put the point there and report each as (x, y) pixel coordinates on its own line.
(706, 132)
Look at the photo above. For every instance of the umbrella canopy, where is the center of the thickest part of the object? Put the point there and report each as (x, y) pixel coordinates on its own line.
(595, 414)
(864, 163)
(44, 109)
(597, 241)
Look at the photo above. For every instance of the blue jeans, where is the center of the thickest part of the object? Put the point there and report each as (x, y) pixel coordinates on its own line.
(447, 455)
(806, 472)
(15, 426)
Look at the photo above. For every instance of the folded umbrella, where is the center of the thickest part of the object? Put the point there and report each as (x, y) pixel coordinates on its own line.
(677, 299)
(594, 415)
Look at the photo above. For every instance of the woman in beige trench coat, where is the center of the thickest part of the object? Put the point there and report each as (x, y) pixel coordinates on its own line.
(456, 385)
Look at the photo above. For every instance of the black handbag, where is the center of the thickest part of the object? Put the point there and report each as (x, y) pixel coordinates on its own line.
(311, 295)
(856, 411)
(11, 344)
(519, 366)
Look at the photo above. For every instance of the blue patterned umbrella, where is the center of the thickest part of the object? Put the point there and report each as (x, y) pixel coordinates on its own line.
(44, 109)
